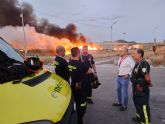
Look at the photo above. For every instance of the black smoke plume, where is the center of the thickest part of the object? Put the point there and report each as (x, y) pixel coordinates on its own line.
(10, 15)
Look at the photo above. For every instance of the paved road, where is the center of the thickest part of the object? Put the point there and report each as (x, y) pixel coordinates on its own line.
(107, 60)
(102, 111)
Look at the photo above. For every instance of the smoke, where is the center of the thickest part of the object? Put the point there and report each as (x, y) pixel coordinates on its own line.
(10, 13)
(10, 16)
(35, 40)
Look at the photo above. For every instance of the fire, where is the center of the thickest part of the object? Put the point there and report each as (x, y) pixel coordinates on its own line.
(129, 46)
(92, 48)
(41, 41)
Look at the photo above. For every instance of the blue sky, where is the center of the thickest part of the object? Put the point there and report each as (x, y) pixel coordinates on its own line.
(138, 18)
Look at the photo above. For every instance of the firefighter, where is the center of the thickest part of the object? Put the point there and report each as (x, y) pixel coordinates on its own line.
(61, 65)
(141, 82)
(78, 71)
(88, 60)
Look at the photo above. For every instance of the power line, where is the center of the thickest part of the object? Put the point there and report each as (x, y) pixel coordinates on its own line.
(66, 19)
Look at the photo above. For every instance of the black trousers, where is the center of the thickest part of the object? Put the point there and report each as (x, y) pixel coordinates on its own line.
(142, 106)
(80, 99)
(87, 81)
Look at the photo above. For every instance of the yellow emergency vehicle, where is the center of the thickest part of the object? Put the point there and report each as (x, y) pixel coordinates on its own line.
(43, 98)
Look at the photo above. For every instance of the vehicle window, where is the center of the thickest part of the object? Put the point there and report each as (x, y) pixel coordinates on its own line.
(10, 51)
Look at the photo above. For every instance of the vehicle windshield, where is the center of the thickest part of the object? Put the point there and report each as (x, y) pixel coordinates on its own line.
(6, 48)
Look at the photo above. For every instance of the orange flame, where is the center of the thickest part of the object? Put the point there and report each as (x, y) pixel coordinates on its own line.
(41, 41)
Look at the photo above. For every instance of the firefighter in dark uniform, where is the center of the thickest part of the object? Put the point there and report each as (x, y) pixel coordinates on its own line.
(141, 82)
(61, 65)
(78, 70)
(88, 60)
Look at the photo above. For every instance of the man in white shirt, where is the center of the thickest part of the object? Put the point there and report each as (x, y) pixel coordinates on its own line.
(125, 67)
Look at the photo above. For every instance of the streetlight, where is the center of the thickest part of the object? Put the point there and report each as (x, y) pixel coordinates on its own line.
(23, 26)
(112, 30)
(155, 29)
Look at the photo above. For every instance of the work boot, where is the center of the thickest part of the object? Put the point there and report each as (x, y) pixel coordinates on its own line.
(123, 108)
(135, 119)
(90, 101)
(116, 104)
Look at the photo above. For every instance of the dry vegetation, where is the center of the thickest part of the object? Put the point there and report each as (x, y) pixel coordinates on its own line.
(158, 58)
(103, 54)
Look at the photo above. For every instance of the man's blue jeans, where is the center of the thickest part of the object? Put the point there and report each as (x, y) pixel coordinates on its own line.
(122, 90)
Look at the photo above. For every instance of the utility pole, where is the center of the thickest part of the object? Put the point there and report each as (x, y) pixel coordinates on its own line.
(124, 35)
(154, 46)
(112, 30)
(23, 26)
(111, 33)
